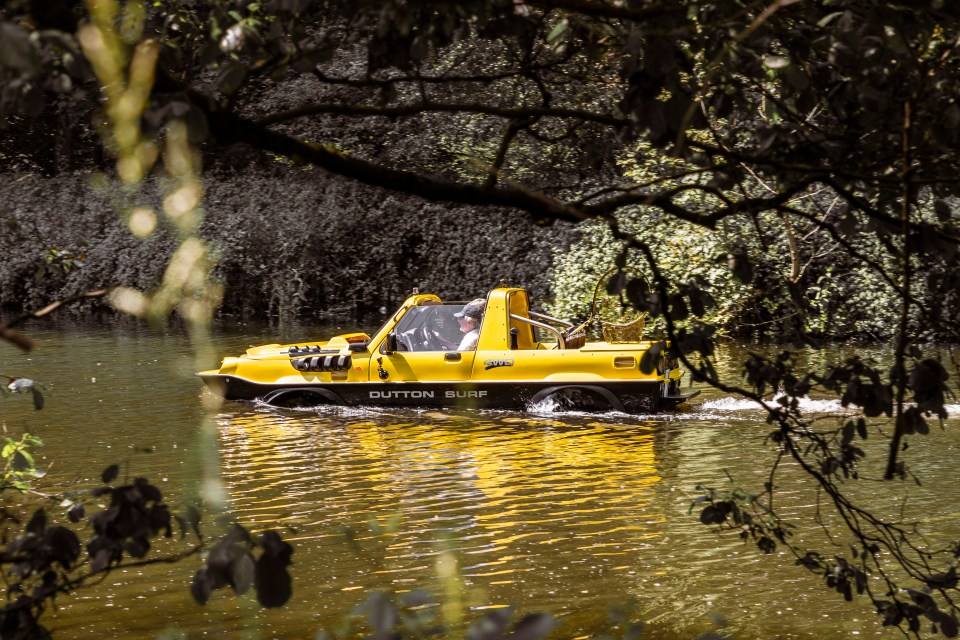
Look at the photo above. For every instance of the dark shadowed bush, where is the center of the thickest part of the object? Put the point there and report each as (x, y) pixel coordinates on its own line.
(291, 243)
(62, 236)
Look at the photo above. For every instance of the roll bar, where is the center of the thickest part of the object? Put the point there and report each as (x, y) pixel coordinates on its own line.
(561, 342)
(543, 316)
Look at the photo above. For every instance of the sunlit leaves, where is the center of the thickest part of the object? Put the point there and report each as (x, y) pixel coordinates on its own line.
(557, 32)
(19, 463)
(125, 68)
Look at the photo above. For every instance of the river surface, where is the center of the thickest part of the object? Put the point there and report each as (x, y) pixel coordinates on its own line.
(574, 514)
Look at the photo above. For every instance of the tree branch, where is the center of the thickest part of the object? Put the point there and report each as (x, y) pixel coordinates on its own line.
(229, 128)
(7, 333)
(510, 113)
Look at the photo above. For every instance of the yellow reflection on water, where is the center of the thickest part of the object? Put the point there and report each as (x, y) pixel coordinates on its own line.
(531, 505)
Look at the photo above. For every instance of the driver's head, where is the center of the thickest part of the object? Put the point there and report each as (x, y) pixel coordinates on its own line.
(471, 313)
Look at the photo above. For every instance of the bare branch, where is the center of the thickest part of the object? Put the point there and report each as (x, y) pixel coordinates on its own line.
(510, 113)
(7, 333)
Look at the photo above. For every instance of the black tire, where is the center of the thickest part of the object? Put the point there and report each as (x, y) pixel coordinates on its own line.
(299, 398)
(580, 398)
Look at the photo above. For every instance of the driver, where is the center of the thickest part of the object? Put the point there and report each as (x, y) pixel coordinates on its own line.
(429, 332)
(469, 318)
(436, 330)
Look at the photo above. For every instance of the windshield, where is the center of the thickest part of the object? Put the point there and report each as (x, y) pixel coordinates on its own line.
(429, 328)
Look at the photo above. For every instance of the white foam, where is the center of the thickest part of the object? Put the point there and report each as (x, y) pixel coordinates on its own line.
(729, 404)
(806, 405)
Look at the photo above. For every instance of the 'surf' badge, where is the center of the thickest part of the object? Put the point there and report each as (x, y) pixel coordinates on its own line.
(493, 364)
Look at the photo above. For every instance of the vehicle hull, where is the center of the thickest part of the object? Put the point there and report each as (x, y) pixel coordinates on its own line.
(631, 396)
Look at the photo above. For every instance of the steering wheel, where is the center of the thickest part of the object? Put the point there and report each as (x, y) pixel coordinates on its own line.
(429, 339)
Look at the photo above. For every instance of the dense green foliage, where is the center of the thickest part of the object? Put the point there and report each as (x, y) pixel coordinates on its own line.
(773, 168)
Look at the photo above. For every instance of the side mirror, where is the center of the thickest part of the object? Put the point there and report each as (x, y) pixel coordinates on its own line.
(390, 344)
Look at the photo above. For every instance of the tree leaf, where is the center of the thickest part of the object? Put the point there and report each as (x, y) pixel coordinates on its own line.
(678, 308)
(557, 32)
(110, 474)
(714, 514)
(241, 573)
(616, 283)
(491, 626)
(232, 78)
(533, 627)
(38, 522)
(381, 613)
(741, 267)
(18, 53)
(942, 209)
(776, 62)
(637, 291)
(862, 428)
(76, 513)
(272, 582)
(201, 588)
(948, 625)
(651, 357)
(766, 544)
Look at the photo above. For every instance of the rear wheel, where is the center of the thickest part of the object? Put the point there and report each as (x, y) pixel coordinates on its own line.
(292, 398)
(578, 398)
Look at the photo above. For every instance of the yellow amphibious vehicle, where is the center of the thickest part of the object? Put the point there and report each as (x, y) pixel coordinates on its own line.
(521, 358)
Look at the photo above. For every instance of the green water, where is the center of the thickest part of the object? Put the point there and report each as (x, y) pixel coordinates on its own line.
(565, 513)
